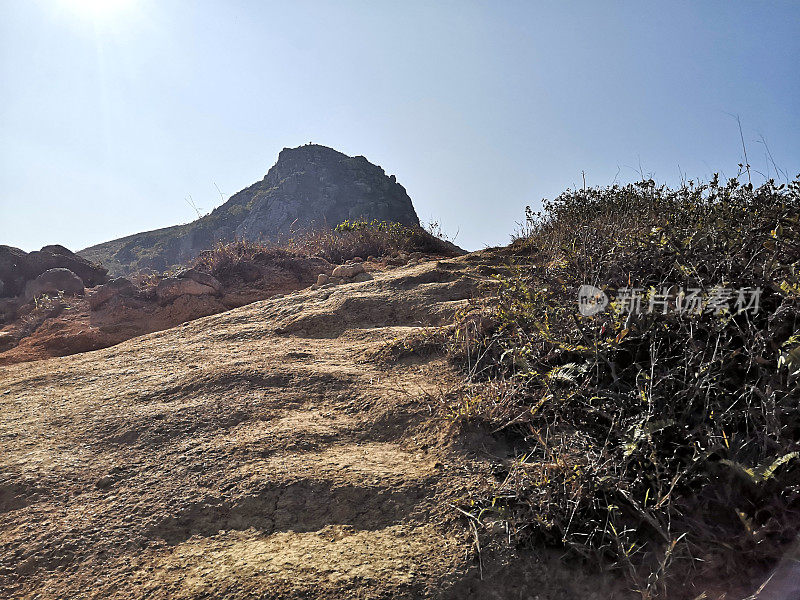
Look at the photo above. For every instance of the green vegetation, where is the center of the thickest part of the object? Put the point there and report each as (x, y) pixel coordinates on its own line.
(665, 443)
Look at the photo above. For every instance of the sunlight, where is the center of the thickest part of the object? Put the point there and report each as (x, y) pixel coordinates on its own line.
(98, 9)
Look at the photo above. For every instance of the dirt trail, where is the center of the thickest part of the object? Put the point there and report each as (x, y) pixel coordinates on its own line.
(259, 452)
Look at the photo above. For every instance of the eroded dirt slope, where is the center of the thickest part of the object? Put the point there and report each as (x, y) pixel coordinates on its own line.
(257, 453)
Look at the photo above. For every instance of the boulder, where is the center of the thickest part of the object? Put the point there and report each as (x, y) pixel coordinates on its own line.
(7, 341)
(18, 267)
(322, 279)
(55, 257)
(14, 271)
(348, 271)
(54, 281)
(8, 310)
(170, 288)
(202, 278)
(362, 277)
(115, 287)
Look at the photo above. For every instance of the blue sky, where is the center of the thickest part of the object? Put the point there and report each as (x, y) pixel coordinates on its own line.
(113, 114)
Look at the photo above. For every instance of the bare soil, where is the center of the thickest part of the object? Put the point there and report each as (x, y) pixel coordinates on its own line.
(259, 453)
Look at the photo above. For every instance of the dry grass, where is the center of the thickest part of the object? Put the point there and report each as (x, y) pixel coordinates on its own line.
(342, 243)
(368, 238)
(662, 445)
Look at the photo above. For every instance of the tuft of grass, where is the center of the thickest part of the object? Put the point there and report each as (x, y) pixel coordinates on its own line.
(663, 444)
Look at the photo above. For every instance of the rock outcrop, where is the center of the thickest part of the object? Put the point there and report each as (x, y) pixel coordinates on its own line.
(263, 453)
(115, 288)
(124, 308)
(310, 186)
(54, 281)
(352, 272)
(171, 288)
(18, 267)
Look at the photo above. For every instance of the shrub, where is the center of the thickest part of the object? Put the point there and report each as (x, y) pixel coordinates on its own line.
(369, 238)
(663, 443)
(226, 259)
(344, 242)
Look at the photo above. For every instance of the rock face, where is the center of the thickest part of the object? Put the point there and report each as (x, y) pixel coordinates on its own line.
(310, 186)
(18, 267)
(171, 288)
(201, 278)
(54, 281)
(114, 288)
(59, 257)
(14, 271)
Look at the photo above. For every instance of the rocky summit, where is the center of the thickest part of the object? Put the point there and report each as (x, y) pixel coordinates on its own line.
(310, 186)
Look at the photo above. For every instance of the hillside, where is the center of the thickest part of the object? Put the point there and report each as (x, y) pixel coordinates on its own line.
(263, 452)
(309, 186)
(482, 426)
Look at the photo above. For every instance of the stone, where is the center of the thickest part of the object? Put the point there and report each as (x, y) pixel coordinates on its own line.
(18, 267)
(115, 287)
(55, 256)
(201, 277)
(357, 259)
(348, 270)
(170, 288)
(6, 341)
(8, 309)
(14, 271)
(363, 276)
(104, 482)
(322, 279)
(54, 281)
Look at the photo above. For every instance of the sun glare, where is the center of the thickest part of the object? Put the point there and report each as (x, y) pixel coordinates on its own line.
(98, 9)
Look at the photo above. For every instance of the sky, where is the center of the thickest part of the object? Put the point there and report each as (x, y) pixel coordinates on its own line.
(120, 116)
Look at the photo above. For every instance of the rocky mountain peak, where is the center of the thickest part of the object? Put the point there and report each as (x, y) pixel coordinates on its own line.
(309, 186)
